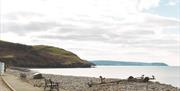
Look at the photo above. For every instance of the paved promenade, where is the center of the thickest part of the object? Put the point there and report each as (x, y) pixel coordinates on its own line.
(17, 84)
(3, 86)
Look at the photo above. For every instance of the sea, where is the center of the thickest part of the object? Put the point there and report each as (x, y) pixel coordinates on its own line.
(163, 74)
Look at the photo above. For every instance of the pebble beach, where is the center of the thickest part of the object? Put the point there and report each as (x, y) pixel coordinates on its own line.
(76, 83)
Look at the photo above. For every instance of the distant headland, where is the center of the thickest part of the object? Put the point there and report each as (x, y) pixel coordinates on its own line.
(124, 63)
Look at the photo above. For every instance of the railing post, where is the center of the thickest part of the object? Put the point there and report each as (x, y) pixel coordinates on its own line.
(147, 86)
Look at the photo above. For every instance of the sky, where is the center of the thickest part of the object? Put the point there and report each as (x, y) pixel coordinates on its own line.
(122, 30)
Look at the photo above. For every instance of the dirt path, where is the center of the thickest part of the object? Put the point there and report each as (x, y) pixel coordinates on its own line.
(3, 86)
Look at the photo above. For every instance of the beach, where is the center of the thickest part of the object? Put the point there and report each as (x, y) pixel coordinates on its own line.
(76, 83)
(163, 74)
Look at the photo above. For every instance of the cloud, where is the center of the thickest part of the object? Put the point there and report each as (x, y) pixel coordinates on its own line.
(17, 15)
(173, 2)
(118, 29)
(147, 4)
(27, 28)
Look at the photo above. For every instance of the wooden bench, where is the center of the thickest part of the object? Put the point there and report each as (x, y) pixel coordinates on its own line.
(51, 85)
(38, 79)
(23, 76)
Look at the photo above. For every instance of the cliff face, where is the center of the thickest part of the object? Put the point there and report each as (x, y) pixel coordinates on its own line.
(39, 56)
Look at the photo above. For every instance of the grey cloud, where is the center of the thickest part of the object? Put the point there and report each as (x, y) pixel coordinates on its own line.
(19, 28)
(75, 37)
(140, 32)
(119, 32)
(11, 23)
(98, 35)
(98, 22)
(162, 22)
(163, 44)
(16, 15)
(127, 38)
(83, 31)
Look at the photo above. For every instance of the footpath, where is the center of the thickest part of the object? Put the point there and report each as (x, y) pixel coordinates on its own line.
(19, 85)
(3, 86)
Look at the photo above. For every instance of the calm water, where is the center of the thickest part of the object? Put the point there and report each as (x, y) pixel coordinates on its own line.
(168, 75)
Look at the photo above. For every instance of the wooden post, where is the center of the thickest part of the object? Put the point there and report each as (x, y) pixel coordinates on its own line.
(147, 87)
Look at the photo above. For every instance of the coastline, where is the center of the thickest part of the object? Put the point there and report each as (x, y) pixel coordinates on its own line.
(77, 83)
(168, 75)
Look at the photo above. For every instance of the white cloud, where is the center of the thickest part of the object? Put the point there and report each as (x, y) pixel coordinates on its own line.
(147, 4)
(173, 2)
(94, 29)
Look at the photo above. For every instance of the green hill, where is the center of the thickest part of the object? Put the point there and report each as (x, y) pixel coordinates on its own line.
(39, 56)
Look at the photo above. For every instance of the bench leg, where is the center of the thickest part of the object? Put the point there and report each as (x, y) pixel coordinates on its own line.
(51, 88)
(57, 88)
(45, 88)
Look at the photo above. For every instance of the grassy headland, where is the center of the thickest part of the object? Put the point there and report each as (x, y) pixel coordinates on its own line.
(39, 56)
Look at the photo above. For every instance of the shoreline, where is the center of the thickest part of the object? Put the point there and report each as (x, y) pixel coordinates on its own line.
(80, 83)
(167, 75)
